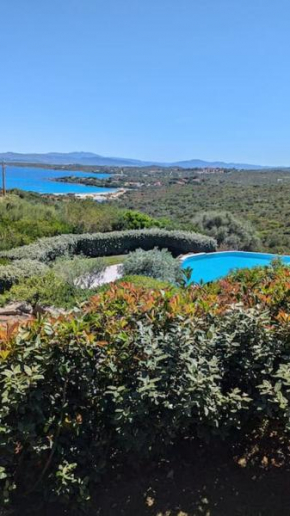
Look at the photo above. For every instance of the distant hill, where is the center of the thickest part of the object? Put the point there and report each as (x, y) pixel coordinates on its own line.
(198, 163)
(89, 158)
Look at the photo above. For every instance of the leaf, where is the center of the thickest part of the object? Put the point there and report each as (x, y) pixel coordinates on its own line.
(28, 370)
(3, 473)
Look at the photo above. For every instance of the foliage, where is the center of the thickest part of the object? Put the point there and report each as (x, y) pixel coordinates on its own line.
(25, 217)
(47, 289)
(261, 198)
(136, 220)
(141, 281)
(155, 264)
(148, 283)
(229, 232)
(117, 242)
(79, 271)
(138, 370)
(19, 269)
(113, 260)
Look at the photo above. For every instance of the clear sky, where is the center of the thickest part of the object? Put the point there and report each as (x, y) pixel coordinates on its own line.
(148, 79)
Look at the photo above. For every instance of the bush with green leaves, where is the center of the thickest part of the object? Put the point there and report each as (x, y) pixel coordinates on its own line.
(146, 282)
(27, 216)
(137, 371)
(64, 285)
(49, 289)
(228, 230)
(155, 264)
(19, 269)
(136, 220)
(79, 271)
(114, 243)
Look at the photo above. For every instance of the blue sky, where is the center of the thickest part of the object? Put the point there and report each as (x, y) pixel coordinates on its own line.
(149, 79)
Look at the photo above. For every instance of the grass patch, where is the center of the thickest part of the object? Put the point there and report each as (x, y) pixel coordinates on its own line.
(114, 260)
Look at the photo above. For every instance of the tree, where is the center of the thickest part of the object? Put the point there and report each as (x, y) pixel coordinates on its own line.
(229, 231)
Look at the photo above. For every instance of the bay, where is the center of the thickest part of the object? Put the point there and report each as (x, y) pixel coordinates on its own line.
(41, 180)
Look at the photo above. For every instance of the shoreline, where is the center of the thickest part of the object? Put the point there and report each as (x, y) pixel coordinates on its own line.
(101, 196)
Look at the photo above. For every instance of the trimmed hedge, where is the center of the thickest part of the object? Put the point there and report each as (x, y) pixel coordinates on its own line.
(117, 242)
(19, 269)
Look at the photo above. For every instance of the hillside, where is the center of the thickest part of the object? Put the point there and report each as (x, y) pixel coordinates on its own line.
(258, 197)
(89, 158)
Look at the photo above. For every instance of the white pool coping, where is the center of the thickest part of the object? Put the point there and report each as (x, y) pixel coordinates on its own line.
(191, 255)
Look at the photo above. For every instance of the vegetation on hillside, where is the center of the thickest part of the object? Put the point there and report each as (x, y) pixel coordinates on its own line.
(25, 217)
(259, 197)
(170, 198)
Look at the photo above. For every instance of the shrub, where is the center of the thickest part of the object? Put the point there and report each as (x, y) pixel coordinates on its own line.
(137, 371)
(118, 242)
(140, 281)
(230, 232)
(155, 264)
(19, 269)
(25, 217)
(148, 283)
(47, 289)
(136, 220)
(81, 272)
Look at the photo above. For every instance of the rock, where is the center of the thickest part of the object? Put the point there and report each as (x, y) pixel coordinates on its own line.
(20, 312)
(53, 311)
(25, 308)
(50, 310)
(16, 309)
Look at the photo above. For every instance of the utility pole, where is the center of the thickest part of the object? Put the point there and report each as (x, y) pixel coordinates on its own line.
(3, 179)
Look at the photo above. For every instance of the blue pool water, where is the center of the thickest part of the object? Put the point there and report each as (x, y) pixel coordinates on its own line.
(40, 180)
(212, 266)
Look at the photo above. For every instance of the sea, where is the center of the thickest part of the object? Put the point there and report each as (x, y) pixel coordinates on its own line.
(41, 180)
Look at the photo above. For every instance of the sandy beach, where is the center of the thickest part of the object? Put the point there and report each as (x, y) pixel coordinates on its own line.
(102, 196)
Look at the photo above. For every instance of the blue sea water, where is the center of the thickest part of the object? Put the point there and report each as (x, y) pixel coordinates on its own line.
(212, 266)
(40, 180)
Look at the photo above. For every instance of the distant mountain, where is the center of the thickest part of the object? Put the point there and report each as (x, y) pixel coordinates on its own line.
(89, 158)
(198, 163)
(71, 158)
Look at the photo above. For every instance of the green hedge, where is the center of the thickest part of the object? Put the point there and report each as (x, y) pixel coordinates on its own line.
(117, 242)
(19, 269)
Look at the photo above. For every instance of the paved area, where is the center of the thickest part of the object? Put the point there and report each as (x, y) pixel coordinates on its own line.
(111, 273)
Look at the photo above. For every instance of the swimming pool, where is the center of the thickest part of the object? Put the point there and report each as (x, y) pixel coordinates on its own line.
(212, 266)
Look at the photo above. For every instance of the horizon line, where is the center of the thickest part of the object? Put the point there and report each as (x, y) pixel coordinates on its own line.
(153, 161)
